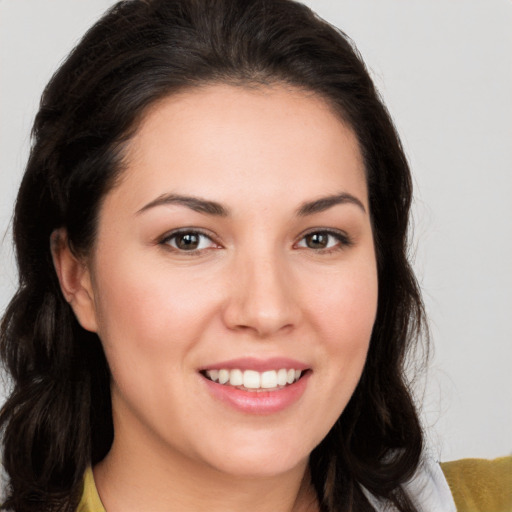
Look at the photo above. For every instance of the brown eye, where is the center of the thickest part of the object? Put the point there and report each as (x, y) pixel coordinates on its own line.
(317, 240)
(324, 240)
(189, 241)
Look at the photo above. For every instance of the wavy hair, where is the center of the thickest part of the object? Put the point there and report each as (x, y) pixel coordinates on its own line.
(57, 419)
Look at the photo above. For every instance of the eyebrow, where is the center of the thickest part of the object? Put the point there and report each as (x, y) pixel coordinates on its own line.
(213, 208)
(324, 203)
(194, 203)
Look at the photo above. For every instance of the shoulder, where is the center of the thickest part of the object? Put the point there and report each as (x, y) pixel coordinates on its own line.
(477, 485)
(480, 485)
(90, 501)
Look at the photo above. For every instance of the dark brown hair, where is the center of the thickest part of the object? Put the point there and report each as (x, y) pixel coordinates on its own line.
(57, 419)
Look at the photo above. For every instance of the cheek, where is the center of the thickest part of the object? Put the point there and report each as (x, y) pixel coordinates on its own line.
(345, 304)
(343, 313)
(149, 309)
(150, 323)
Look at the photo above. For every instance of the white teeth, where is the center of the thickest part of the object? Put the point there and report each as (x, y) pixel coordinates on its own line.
(251, 379)
(223, 376)
(214, 375)
(236, 378)
(269, 379)
(282, 377)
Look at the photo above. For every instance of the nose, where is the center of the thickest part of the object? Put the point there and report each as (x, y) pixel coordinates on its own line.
(263, 298)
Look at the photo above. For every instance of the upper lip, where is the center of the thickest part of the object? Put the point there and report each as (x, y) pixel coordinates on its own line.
(256, 364)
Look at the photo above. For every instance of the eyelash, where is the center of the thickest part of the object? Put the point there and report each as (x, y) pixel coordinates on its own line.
(166, 240)
(342, 241)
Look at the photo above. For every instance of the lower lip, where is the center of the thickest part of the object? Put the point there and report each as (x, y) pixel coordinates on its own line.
(259, 402)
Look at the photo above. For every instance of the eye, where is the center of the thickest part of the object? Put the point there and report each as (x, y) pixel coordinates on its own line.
(324, 240)
(188, 241)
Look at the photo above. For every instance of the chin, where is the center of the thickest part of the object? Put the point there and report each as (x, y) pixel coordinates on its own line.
(261, 460)
(261, 468)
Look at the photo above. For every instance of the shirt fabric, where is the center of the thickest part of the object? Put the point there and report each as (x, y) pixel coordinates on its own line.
(467, 485)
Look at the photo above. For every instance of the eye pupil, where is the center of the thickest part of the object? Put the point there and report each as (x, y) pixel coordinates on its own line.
(187, 241)
(317, 240)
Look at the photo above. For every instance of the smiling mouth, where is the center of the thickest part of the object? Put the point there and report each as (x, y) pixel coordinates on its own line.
(251, 380)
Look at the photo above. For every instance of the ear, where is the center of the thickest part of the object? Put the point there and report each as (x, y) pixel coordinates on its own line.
(75, 280)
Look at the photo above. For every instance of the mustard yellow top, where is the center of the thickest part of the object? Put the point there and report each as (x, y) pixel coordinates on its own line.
(90, 501)
(477, 485)
(480, 485)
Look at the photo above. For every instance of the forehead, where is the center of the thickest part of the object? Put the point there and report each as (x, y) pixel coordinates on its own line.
(240, 142)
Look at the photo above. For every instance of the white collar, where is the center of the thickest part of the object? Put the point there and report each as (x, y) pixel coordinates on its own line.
(427, 489)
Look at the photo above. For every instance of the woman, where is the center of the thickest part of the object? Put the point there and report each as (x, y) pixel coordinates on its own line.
(215, 302)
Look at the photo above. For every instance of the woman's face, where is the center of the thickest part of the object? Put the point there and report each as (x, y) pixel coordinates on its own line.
(238, 245)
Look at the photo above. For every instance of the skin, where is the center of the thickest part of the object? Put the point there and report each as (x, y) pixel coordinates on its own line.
(256, 286)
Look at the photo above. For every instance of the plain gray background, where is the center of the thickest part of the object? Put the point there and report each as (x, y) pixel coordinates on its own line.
(444, 69)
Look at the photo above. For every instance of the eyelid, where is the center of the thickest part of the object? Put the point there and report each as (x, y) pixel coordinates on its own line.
(341, 236)
(344, 240)
(164, 239)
